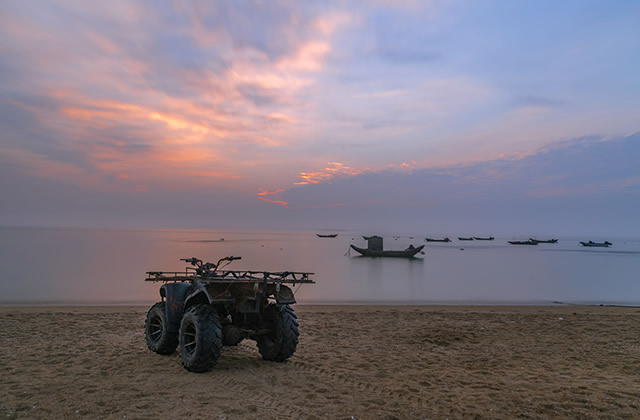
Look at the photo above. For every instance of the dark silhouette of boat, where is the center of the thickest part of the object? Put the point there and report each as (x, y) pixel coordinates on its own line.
(333, 235)
(529, 242)
(407, 253)
(437, 240)
(547, 241)
(605, 244)
(480, 238)
(465, 239)
(366, 238)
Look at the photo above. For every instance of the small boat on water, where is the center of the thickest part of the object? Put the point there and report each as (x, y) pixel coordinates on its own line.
(547, 241)
(529, 242)
(465, 239)
(406, 253)
(605, 244)
(332, 235)
(437, 240)
(480, 238)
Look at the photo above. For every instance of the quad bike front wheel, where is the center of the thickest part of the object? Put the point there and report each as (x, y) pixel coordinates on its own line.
(281, 342)
(200, 338)
(159, 339)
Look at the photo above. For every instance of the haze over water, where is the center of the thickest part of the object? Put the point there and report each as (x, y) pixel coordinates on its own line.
(108, 266)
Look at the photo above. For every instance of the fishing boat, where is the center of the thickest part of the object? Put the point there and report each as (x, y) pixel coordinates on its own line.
(605, 244)
(465, 239)
(333, 235)
(407, 253)
(437, 240)
(480, 238)
(529, 242)
(546, 241)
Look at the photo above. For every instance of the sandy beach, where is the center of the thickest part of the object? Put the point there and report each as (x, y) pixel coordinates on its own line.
(364, 362)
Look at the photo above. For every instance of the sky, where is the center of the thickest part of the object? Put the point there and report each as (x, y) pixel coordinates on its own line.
(502, 117)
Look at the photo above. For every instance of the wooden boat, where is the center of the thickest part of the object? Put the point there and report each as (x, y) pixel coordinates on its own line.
(605, 244)
(479, 238)
(333, 235)
(407, 253)
(465, 239)
(437, 240)
(529, 242)
(547, 241)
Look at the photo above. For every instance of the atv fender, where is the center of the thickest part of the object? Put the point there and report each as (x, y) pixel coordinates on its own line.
(199, 294)
(282, 293)
(175, 295)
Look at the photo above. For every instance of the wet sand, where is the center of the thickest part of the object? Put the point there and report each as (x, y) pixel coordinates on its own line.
(366, 362)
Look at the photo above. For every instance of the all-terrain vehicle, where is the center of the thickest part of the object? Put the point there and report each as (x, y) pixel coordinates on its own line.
(208, 306)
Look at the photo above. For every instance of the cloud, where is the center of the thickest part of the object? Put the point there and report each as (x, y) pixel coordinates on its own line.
(130, 85)
(333, 170)
(554, 181)
(123, 97)
(268, 200)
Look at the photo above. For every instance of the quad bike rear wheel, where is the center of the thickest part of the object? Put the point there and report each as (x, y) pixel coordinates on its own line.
(281, 343)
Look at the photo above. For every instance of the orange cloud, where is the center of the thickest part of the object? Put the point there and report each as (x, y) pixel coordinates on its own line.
(332, 171)
(172, 149)
(265, 192)
(282, 203)
(328, 173)
(212, 122)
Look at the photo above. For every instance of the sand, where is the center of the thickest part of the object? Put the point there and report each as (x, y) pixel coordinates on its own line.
(365, 362)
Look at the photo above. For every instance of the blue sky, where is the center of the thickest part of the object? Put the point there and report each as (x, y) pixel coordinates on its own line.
(338, 115)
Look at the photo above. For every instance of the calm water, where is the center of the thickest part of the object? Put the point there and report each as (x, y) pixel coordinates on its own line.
(108, 266)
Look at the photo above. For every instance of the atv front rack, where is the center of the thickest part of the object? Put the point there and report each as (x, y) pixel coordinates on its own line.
(231, 276)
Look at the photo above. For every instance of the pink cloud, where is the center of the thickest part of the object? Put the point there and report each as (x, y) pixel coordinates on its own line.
(282, 203)
(308, 57)
(334, 169)
(265, 192)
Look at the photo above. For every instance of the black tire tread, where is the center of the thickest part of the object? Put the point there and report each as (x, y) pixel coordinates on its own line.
(283, 347)
(168, 341)
(209, 342)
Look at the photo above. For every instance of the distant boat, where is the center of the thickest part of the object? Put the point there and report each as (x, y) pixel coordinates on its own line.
(605, 244)
(407, 253)
(479, 238)
(529, 242)
(437, 240)
(465, 239)
(333, 235)
(547, 241)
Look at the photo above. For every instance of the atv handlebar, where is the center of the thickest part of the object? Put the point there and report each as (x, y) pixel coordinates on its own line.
(201, 266)
(192, 261)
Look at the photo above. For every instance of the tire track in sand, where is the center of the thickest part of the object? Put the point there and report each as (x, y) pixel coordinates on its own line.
(265, 402)
(350, 383)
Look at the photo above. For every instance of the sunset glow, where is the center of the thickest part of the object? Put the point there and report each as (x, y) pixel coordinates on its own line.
(295, 106)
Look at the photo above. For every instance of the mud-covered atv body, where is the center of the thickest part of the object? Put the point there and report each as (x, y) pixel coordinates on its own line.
(206, 307)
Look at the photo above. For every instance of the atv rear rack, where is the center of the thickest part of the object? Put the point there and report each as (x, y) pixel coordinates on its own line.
(231, 276)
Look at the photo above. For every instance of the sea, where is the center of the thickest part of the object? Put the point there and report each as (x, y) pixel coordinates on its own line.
(107, 266)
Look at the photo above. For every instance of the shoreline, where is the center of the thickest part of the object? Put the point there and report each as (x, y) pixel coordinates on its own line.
(348, 303)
